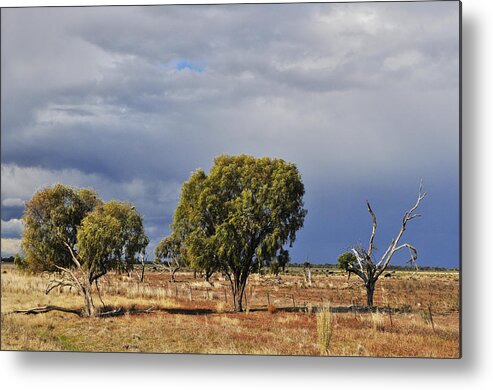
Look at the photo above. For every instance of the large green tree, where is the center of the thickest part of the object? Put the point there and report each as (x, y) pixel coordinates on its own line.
(244, 211)
(77, 237)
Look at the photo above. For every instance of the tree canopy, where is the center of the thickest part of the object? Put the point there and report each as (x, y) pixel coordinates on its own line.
(52, 218)
(73, 232)
(244, 211)
(111, 237)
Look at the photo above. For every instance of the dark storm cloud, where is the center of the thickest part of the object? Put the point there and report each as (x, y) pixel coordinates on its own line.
(130, 100)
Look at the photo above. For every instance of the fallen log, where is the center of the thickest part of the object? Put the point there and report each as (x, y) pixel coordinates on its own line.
(46, 309)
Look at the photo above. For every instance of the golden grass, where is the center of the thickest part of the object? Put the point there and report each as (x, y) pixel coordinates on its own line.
(206, 323)
(324, 329)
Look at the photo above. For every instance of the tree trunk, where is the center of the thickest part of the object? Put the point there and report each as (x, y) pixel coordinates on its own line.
(238, 300)
(238, 292)
(90, 310)
(208, 275)
(173, 272)
(370, 289)
(308, 275)
(143, 270)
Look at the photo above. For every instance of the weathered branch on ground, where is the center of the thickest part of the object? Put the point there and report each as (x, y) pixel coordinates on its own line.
(112, 313)
(46, 309)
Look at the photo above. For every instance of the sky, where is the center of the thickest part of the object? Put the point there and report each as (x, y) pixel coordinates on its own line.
(363, 98)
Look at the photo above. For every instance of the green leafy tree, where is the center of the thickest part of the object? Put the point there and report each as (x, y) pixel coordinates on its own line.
(20, 262)
(169, 252)
(245, 210)
(194, 229)
(82, 237)
(283, 258)
(51, 219)
(275, 268)
(279, 262)
(347, 262)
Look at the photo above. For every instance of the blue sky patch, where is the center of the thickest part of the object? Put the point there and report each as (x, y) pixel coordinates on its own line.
(190, 65)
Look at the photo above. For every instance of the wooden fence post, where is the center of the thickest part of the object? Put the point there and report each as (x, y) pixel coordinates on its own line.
(390, 315)
(431, 317)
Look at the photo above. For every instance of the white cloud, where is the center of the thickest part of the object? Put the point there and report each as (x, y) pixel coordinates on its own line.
(13, 202)
(13, 226)
(10, 246)
(22, 182)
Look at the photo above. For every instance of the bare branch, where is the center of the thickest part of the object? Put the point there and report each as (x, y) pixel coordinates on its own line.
(361, 271)
(72, 254)
(46, 309)
(75, 279)
(386, 252)
(57, 283)
(384, 262)
(374, 229)
(112, 313)
(99, 293)
(421, 195)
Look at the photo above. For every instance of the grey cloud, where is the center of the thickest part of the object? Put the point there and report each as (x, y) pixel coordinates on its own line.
(354, 92)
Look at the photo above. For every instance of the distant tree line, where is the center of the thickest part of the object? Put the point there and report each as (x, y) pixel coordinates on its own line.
(389, 268)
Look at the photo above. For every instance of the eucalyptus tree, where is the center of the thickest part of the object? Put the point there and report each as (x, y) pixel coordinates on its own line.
(51, 219)
(361, 262)
(194, 229)
(169, 252)
(78, 238)
(283, 258)
(245, 210)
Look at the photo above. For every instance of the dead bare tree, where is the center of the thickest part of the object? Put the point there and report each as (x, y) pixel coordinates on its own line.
(363, 265)
(307, 271)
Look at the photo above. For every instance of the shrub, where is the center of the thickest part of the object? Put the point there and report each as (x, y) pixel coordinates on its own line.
(324, 329)
(20, 262)
(378, 321)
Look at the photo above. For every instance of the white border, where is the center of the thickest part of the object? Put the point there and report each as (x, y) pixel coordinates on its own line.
(475, 371)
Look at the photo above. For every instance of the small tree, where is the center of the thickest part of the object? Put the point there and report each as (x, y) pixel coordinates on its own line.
(20, 262)
(347, 261)
(274, 268)
(245, 210)
(283, 258)
(110, 238)
(52, 219)
(81, 237)
(361, 261)
(169, 253)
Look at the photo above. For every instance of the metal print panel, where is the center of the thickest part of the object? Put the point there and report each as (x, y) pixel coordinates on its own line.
(271, 179)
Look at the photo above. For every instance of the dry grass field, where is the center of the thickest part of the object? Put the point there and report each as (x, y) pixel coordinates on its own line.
(284, 316)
